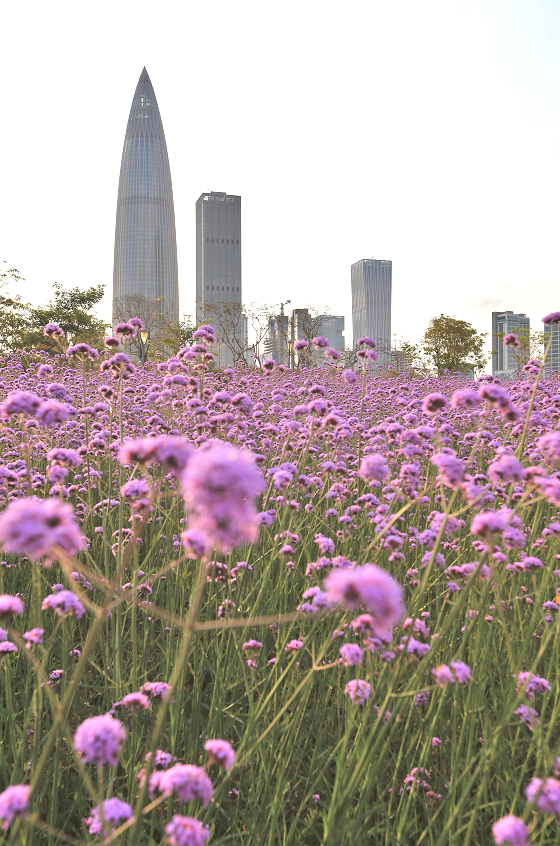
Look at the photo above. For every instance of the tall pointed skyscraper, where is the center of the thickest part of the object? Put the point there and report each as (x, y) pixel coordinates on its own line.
(145, 264)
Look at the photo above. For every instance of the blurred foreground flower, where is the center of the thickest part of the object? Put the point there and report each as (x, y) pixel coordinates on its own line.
(36, 527)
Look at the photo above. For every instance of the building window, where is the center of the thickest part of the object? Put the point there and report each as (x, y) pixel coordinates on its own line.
(212, 240)
(237, 241)
(207, 240)
(208, 287)
(238, 290)
(212, 287)
(222, 240)
(222, 287)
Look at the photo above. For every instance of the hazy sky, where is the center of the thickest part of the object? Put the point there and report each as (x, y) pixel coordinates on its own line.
(424, 132)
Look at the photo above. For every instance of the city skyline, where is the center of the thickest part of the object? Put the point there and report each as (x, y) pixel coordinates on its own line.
(351, 153)
(145, 256)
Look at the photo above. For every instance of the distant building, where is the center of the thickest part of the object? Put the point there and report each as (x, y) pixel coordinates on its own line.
(218, 260)
(145, 260)
(372, 281)
(503, 323)
(283, 331)
(552, 362)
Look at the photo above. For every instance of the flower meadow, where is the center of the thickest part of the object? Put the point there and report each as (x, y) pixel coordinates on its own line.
(274, 606)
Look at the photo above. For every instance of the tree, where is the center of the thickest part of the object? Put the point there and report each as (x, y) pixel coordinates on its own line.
(397, 357)
(165, 333)
(70, 309)
(453, 345)
(235, 324)
(174, 336)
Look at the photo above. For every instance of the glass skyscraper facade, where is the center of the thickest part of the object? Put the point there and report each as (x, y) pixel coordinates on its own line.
(218, 250)
(372, 281)
(145, 263)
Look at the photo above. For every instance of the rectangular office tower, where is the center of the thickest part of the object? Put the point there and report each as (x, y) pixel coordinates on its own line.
(218, 262)
(372, 281)
(506, 360)
(552, 361)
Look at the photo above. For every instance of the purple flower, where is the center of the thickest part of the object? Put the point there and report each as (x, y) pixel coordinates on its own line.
(219, 487)
(359, 691)
(64, 602)
(10, 605)
(528, 716)
(506, 468)
(187, 782)
(293, 646)
(511, 340)
(14, 802)
(36, 527)
(465, 398)
(52, 412)
(451, 469)
(136, 701)
(326, 545)
(7, 646)
(127, 330)
(300, 345)
(20, 402)
(195, 543)
(173, 451)
(373, 589)
(186, 831)
(205, 333)
(99, 740)
(351, 654)
(552, 318)
(268, 365)
(433, 403)
(550, 444)
(65, 457)
(34, 636)
(546, 796)
(220, 752)
(510, 830)
(115, 812)
(350, 377)
(373, 467)
(534, 684)
(320, 342)
(461, 672)
(366, 342)
(135, 489)
(53, 330)
(157, 690)
(443, 675)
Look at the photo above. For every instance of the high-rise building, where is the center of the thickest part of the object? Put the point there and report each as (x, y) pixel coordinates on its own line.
(283, 331)
(218, 250)
(218, 268)
(506, 359)
(552, 361)
(371, 301)
(145, 264)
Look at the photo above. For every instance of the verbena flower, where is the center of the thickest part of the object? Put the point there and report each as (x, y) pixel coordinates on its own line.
(65, 603)
(371, 588)
(115, 812)
(546, 795)
(10, 606)
(36, 527)
(14, 802)
(220, 752)
(187, 782)
(99, 740)
(219, 485)
(511, 831)
(186, 831)
(358, 690)
(373, 467)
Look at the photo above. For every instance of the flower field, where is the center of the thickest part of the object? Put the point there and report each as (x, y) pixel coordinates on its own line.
(271, 606)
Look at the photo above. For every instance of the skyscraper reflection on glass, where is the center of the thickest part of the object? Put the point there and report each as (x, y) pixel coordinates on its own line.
(145, 263)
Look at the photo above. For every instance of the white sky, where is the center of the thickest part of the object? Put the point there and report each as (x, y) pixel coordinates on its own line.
(420, 131)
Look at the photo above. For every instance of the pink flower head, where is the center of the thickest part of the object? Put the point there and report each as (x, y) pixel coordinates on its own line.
(157, 690)
(550, 445)
(443, 675)
(433, 403)
(546, 796)
(510, 830)
(511, 340)
(451, 469)
(220, 752)
(36, 527)
(52, 412)
(65, 603)
(195, 543)
(350, 377)
(506, 468)
(372, 588)
(99, 740)
(465, 398)
(186, 831)
(53, 330)
(136, 701)
(10, 605)
(127, 330)
(366, 342)
(300, 345)
(14, 802)
(552, 318)
(20, 402)
(320, 342)
(187, 782)
(219, 486)
(373, 467)
(115, 812)
(34, 636)
(205, 333)
(534, 684)
(358, 690)
(351, 655)
(461, 672)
